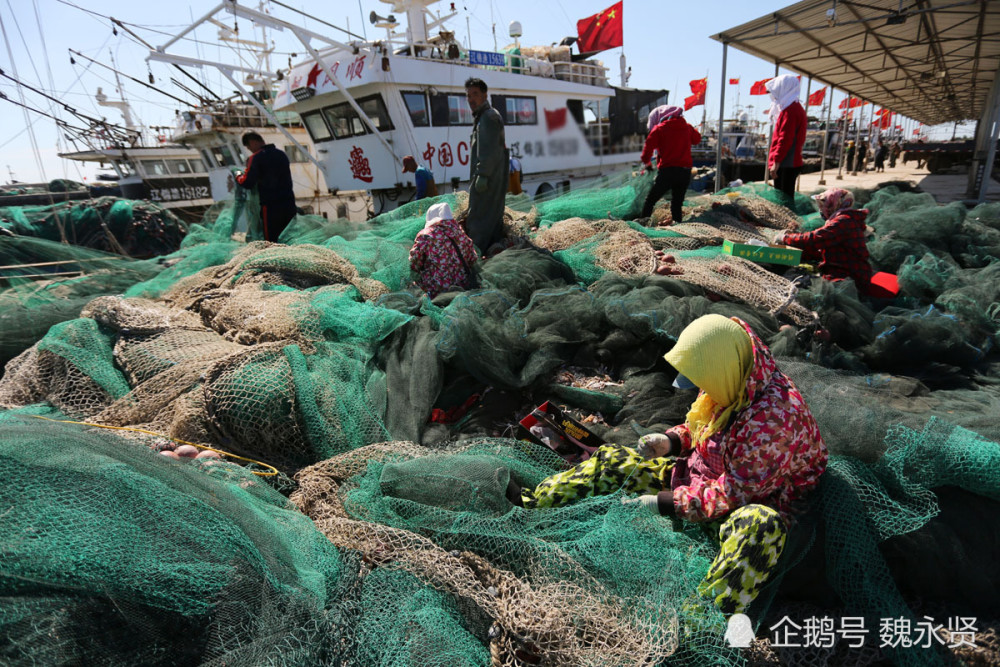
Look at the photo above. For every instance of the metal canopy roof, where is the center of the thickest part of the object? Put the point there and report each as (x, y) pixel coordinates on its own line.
(932, 60)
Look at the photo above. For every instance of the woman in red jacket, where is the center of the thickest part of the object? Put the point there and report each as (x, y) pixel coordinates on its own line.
(672, 139)
(785, 157)
(839, 245)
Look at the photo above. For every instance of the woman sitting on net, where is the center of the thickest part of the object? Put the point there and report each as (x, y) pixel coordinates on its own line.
(747, 454)
(839, 245)
(443, 255)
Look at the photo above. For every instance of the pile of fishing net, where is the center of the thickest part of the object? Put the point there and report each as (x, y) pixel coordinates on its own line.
(397, 416)
(123, 226)
(43, 283)
(55, 185)
(113, 554)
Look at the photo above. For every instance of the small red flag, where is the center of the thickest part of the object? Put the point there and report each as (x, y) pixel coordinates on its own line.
(694, 100)
(734, 82)
(555, 119)
(699, 86)
(601, 31)
(850, 103)
(816, 99)
(758, 87)
(916, 131)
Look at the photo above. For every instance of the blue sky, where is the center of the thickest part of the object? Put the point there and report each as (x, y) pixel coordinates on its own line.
(666, 42)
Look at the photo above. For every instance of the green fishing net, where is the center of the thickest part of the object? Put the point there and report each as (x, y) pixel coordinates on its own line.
(398, 415)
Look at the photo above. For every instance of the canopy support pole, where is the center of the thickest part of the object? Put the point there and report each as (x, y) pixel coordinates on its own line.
(987, 131)
(722, 107)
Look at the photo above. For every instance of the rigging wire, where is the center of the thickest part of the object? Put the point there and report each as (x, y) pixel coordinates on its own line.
(31, 133)
(319, 20)
(48, 67)
(95, 122)
(139, 81)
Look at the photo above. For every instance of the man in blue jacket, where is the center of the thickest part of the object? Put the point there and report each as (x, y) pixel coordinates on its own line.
(268, 170)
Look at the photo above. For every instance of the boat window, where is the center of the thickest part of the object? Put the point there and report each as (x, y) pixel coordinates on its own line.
(459, 112)
(223, 156)
(206, 156)
(588, 118)
(450, 110)
(154, 167)
(521, 111)
(178, 166)
(344, 121)
(124, 169)
(197, 166)
(416, 105)
(374, 108)
(296, 154)
(316, 126)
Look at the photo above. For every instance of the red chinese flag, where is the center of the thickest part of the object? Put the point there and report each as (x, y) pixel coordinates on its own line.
(699, 86)
(601, 31)
(816, 99)
(758, 87)
(734, 82)
(694, 100)
(917, 131)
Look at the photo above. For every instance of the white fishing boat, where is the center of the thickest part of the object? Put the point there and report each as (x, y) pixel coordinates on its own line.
(367, 103)
(215, 130)
(148, 166)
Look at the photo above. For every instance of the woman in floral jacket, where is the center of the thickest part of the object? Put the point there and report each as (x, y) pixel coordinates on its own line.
(746, 456)
(442, 252)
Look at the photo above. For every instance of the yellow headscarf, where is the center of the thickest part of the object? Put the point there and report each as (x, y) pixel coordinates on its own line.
(716, 354)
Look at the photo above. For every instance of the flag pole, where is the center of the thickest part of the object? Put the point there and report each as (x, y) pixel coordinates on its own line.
(770, 138)
(809, 84)
(842, 124)
(722, 107)
(704, 107)
(826, 139)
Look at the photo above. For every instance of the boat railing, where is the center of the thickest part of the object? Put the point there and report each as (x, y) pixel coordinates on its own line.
(228, 117)
(587, 72)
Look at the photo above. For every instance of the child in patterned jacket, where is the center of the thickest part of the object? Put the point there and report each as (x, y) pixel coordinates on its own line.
(443, 255)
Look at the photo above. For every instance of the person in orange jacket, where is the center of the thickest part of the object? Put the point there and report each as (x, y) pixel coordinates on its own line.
(785, 157)
(672, 139)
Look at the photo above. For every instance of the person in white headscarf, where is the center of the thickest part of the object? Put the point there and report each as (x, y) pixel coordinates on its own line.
(443, 255)
(785, 157)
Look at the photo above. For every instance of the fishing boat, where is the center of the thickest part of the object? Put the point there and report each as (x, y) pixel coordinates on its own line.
(215, 130)
(148, 166)
(367, 103)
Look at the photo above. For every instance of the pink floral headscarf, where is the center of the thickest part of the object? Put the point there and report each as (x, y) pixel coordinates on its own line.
(833, 200)
(662, 113)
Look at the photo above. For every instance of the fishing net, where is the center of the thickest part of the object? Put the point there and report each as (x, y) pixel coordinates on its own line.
(114, 554)
(122, 226)
(319, 357)
(43, 283)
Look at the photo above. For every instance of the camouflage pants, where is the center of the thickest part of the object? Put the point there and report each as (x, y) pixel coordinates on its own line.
(609, 469)
(751, 538)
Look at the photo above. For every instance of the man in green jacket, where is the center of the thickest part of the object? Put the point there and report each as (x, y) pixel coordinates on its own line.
(489, 162)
